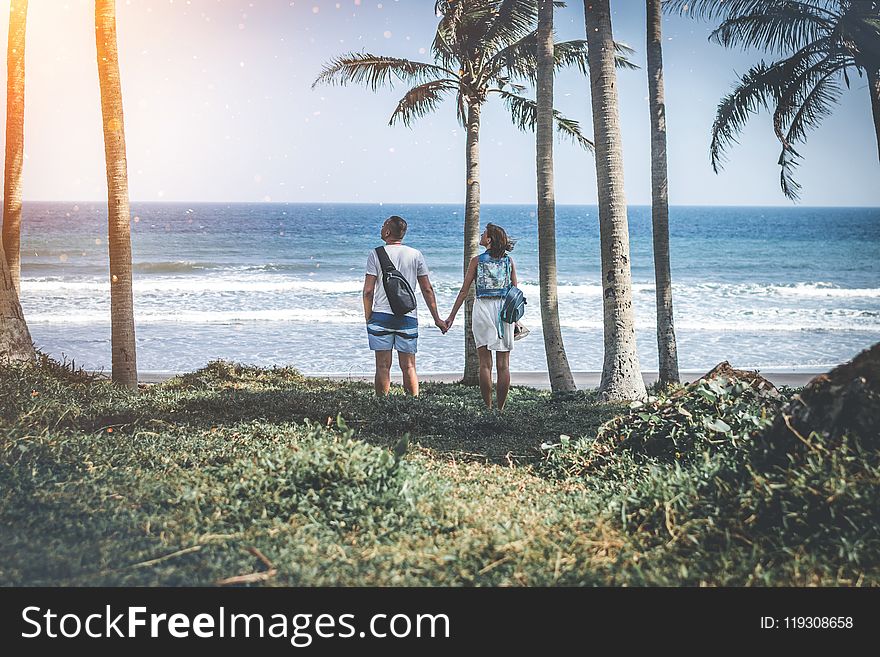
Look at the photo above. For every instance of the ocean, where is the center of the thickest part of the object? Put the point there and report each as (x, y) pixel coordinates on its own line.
(775, 288)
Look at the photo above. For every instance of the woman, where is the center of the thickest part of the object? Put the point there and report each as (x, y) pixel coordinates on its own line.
(494, 272)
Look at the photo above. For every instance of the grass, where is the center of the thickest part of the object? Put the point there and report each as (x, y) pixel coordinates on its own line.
(188, 482)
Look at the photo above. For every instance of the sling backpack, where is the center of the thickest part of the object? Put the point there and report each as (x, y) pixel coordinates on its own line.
(398, 290)
(513, 304)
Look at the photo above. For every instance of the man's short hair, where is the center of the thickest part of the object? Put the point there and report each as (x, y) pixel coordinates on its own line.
(397, 226)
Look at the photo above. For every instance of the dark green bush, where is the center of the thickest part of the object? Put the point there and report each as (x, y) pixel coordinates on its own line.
(710, 416)
(688, 478)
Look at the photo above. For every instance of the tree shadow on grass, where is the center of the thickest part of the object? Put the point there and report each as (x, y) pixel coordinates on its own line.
(447, 418)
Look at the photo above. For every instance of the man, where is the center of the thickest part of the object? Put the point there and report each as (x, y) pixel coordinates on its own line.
(385, 330)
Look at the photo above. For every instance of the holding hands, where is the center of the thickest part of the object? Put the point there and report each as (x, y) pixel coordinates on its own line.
(444, 324)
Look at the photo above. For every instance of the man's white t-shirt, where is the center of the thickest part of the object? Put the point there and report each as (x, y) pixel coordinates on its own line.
(408, 261)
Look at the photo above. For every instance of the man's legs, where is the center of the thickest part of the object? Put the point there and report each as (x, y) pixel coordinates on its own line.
(383, 372)
(503, 361)
(407, 364)
(485, 375)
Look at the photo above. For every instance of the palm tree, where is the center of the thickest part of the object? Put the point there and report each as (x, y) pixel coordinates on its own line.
(479, 48)
(821, 44)
(561, 379)
(124, 368)
(15, 339)
(666, 347)
(14, 139)
(621, 375)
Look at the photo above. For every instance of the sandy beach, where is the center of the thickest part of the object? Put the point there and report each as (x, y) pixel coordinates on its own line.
(540, 380)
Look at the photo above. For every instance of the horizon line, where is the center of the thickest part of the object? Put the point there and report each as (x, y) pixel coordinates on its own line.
(451, 203)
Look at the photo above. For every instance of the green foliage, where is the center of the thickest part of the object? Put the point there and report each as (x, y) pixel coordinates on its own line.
(480, 47)
(820, 47)
(177, 484)
(714, 415)
(694, 489)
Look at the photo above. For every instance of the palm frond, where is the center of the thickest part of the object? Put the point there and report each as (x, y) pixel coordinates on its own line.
(421, 100)
(808, 98)
(757, 89)
(512, 20)
(778, 30)
(571, 53)
(463, 27)
(442, 50)
(574, 53)
(762, 86)
(524, 113)
(724, 9)
(451, 13)
(472, 42)
(860, 26)
(788, 163)
(826, 37)
(519, 59)
(622, 54)
(376, 71)
(802, 107)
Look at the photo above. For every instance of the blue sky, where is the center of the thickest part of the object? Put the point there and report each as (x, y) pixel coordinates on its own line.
(219, 107)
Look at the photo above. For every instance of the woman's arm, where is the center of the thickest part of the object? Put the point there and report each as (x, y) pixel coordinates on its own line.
(465, 288)
(513, 279)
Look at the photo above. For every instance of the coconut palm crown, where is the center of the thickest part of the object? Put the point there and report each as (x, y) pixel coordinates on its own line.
(821, 43)
(481, 48)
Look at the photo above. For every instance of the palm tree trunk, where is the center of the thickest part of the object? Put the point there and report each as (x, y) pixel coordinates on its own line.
(561, 379)
(15, 339)
(119, 212)
(666, 347)
(874, 88)
(14, 139)
(471, 237)
(621, 376)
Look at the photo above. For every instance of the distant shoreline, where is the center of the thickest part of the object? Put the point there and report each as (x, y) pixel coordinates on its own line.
(450, 203)
(539, 380)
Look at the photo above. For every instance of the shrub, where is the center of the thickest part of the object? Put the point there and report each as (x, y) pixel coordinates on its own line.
(710, 416)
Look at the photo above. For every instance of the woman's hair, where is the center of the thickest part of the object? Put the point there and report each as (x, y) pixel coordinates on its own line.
(499, 242)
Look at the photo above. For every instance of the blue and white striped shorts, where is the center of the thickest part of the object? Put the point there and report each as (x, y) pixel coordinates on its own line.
(386, 332)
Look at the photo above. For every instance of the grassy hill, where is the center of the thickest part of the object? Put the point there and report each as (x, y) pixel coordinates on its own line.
(237, 474)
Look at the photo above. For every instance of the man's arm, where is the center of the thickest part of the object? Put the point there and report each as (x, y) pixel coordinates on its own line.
(431, 300)
(369, 292)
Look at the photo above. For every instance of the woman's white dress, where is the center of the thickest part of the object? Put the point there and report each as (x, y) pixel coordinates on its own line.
(485, 325)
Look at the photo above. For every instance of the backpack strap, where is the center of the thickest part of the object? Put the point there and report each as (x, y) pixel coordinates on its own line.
(499, 327)
(384, 261)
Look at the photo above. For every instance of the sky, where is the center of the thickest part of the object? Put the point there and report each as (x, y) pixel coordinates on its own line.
(219, 107)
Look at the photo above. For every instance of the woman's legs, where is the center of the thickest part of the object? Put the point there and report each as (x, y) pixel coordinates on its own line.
(485, 375)
(503, 361)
